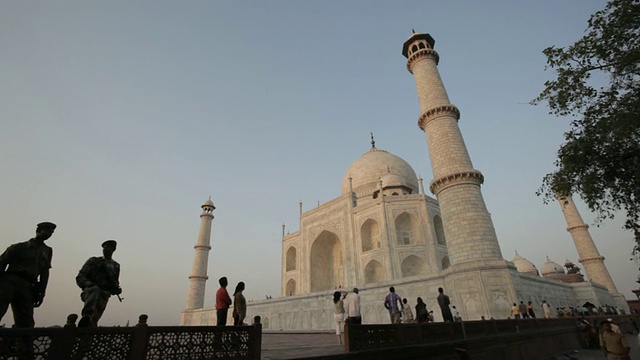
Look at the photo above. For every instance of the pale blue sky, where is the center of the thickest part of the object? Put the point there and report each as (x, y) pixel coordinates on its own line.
(118, 119)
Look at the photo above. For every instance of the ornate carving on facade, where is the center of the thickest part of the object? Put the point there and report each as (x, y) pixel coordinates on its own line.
(436, 113)
(591, 260)
(334, 226)
(577, 227)
(420, 54)
(465, 177)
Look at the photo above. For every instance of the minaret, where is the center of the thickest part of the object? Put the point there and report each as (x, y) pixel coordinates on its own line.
(198, 277)
(589, 257)
(456, 184)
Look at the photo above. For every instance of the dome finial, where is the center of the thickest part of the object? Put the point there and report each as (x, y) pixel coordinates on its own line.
(413, 31)
(373, 142)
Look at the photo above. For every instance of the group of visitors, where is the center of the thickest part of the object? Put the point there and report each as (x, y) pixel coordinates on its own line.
(223, 302)
(523, 311)
(24, 275)
(400, 310)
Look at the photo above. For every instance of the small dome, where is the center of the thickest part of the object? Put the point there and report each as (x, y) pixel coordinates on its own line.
(523, 265)
(374, 165)
(208, 203)
(551, 268)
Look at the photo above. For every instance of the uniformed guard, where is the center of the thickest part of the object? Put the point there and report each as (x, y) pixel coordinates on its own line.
(98, 279)
(24, 274)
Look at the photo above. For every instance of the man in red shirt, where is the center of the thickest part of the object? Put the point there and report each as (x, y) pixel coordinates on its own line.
(223, 301)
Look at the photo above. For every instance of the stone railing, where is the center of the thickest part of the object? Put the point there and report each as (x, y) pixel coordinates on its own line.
(368, 337)
(132, 343)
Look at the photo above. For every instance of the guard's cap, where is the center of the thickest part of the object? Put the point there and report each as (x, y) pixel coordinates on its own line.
(46, 225)
(110, 243)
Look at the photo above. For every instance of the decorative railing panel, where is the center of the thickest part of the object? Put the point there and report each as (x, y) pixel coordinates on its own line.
(132, 343)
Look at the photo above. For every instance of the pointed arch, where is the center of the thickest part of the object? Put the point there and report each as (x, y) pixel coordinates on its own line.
(413, 265)
(406, 229)
(326, 262)
(370, 235)
(374, 272)
(439, 228)
(290, 288)
(445, 262)
(291, 259)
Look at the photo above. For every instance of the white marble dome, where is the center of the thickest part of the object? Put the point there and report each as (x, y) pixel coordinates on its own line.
(373, 166)
(551, 268)
(523, 265)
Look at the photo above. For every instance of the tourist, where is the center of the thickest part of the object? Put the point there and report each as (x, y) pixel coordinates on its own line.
(239, 305)
(223, 301)
(546, 309)
(522, 309)
(393, 303)
(338, 314)
(407, 314)
(530, 311)
(422, 315)
(456, 313)
(444, 302)
(353, 308)
(24, 274)
(99, 279)
(614, 345)
(515, 311)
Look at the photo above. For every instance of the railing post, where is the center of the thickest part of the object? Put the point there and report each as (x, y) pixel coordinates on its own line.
(255, 341)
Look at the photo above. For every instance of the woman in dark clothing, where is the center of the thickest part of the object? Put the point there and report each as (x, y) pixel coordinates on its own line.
(422, 315)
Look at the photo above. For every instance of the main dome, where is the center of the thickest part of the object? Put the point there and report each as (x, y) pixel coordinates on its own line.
(373, 165)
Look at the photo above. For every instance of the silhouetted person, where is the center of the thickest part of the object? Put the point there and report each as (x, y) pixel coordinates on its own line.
(239, 305)
(444, 302)
(99, 279)
(71, 321)
(422, 315)
(24, 274)
(223, 301)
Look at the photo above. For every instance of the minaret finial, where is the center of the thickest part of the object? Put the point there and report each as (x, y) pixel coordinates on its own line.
(373, 142)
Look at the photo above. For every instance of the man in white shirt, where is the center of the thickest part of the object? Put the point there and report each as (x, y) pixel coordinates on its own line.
(353, 307)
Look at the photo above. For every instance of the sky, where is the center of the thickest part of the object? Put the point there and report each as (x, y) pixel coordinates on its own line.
(119, 119)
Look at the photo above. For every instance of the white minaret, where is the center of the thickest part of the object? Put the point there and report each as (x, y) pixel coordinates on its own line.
(198, 277)
(589, 256)
(471, 237)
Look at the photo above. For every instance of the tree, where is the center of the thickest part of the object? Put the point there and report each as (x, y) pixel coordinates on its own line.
(598, 84)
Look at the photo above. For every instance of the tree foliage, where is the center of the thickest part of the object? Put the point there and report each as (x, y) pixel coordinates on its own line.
(597, 84)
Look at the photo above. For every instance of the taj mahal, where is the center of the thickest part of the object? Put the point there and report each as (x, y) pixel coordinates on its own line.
(384, 230)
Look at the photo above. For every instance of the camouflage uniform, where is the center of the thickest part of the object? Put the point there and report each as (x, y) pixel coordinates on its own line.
(98, 280)
(19, 284)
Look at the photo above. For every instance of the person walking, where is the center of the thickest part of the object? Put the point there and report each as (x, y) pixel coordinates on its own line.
(338, 314)
(515, 311)
(422, 315)
(99, 279)
(223, 301)
(393, 303)
(239, 305)
(546, 309)
(522, 308)
(353, 307)
(24, 275)
(532, 314)
(444, 302)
